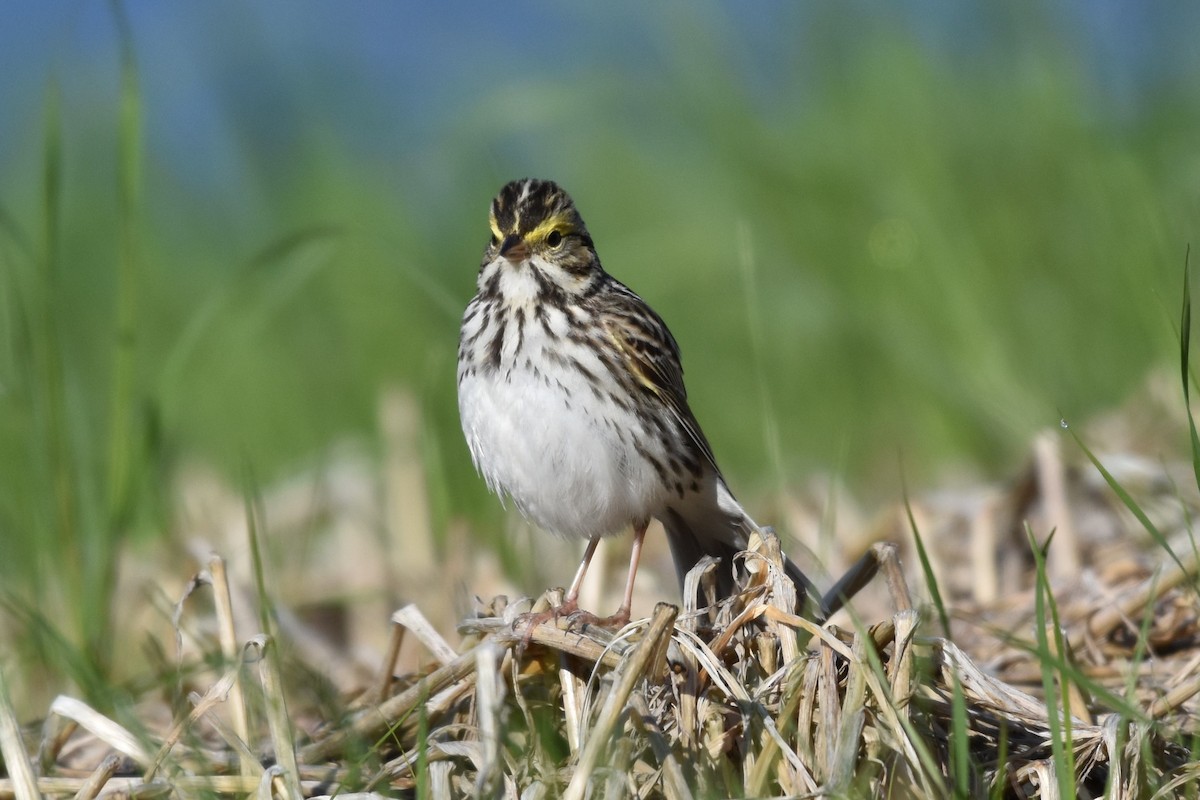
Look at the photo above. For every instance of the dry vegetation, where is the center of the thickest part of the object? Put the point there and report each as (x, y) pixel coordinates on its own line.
(982, 694)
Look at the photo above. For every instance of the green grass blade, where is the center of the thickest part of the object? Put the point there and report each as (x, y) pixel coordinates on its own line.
(960, 755)
(421, 769)
(253, 512)
(57, 650)
(1102, 696)
(1185, 341)
(935, 593)
(754, 322)
(52, 435)
(1140, 649)
(14, 233)
(1001, 782)
(931, 775)
(1129, 502)
(122, 438)
(18, 260)
(1045, 612)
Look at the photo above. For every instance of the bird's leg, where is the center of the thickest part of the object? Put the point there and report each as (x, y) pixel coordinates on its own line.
(621, 618)
(570, 604)
(571, 600)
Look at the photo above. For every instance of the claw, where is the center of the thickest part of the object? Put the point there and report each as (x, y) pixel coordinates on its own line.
(576, 618)
(582, 619)
(534, 618)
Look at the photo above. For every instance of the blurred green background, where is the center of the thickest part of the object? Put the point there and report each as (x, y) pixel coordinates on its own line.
(877, 230)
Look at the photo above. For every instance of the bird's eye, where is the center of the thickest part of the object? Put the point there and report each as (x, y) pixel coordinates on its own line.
(554, 239)
(495, 240)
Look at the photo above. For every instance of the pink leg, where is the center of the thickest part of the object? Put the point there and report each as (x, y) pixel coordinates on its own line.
(570, 604)
(570, 601)
(635, 556)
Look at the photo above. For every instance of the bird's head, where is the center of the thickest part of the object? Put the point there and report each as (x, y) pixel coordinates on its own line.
(536, 229)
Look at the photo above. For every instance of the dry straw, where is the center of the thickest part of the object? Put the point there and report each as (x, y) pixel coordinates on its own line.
(746, 697)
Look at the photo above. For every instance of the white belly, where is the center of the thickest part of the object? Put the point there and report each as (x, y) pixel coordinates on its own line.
(565, 457)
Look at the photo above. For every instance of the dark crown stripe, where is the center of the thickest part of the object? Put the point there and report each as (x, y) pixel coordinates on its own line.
(524, 204)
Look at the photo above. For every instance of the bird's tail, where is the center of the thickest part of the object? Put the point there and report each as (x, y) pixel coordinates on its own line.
(696, 530)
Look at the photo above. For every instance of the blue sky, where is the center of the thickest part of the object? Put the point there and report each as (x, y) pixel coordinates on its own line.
(378, 75)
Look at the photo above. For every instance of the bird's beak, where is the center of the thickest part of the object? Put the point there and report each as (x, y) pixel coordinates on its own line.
(514, 249)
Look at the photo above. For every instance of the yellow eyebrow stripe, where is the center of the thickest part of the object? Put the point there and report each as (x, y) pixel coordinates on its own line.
(539, 233)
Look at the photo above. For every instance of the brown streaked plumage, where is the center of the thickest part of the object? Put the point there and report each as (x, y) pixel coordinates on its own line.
(572, 398)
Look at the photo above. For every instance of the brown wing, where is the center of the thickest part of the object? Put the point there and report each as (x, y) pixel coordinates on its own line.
(651, 355)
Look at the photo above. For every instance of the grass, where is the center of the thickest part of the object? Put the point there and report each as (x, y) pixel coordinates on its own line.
(693, 701)
(936, 283)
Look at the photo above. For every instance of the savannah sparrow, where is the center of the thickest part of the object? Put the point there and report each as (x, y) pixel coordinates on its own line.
(571, 396)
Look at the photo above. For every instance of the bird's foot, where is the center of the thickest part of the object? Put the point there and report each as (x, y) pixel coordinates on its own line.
(531, 620)
(554, 613)
(576, 618)
(582, 619)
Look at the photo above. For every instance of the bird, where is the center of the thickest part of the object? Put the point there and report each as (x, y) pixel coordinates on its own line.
(572, 400)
